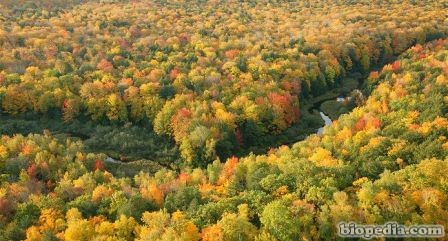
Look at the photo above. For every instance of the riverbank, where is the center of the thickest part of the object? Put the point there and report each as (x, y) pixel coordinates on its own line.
(125, 143)
(350, 83)
(134, 147)
(311, 121)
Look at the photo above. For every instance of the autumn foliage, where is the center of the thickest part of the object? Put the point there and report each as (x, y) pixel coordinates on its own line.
(214, 79)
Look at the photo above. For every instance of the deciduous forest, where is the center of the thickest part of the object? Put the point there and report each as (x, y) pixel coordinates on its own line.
(221, 120)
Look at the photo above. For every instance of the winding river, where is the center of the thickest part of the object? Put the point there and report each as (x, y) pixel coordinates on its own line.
(327, 121)
(339, 96)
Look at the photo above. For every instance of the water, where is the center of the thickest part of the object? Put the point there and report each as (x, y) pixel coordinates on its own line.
(327, 121)
(111, 160)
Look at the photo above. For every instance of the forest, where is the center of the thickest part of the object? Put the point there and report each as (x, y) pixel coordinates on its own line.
(198, 120)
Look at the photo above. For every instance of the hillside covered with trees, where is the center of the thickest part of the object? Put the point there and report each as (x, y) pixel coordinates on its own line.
(182, 92)
(383, 161)
(214, 77)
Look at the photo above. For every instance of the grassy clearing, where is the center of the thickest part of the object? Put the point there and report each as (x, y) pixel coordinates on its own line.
(350, 83)
(334, 108)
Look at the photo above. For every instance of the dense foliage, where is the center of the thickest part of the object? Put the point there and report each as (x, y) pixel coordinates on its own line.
(215, 76)
(384, 161)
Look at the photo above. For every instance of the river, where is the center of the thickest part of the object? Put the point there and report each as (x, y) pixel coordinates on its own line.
(327, 121)
(316, 107)
(326, 118)
(111, 160)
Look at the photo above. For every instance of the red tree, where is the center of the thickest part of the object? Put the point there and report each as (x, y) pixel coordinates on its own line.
(99, 165)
